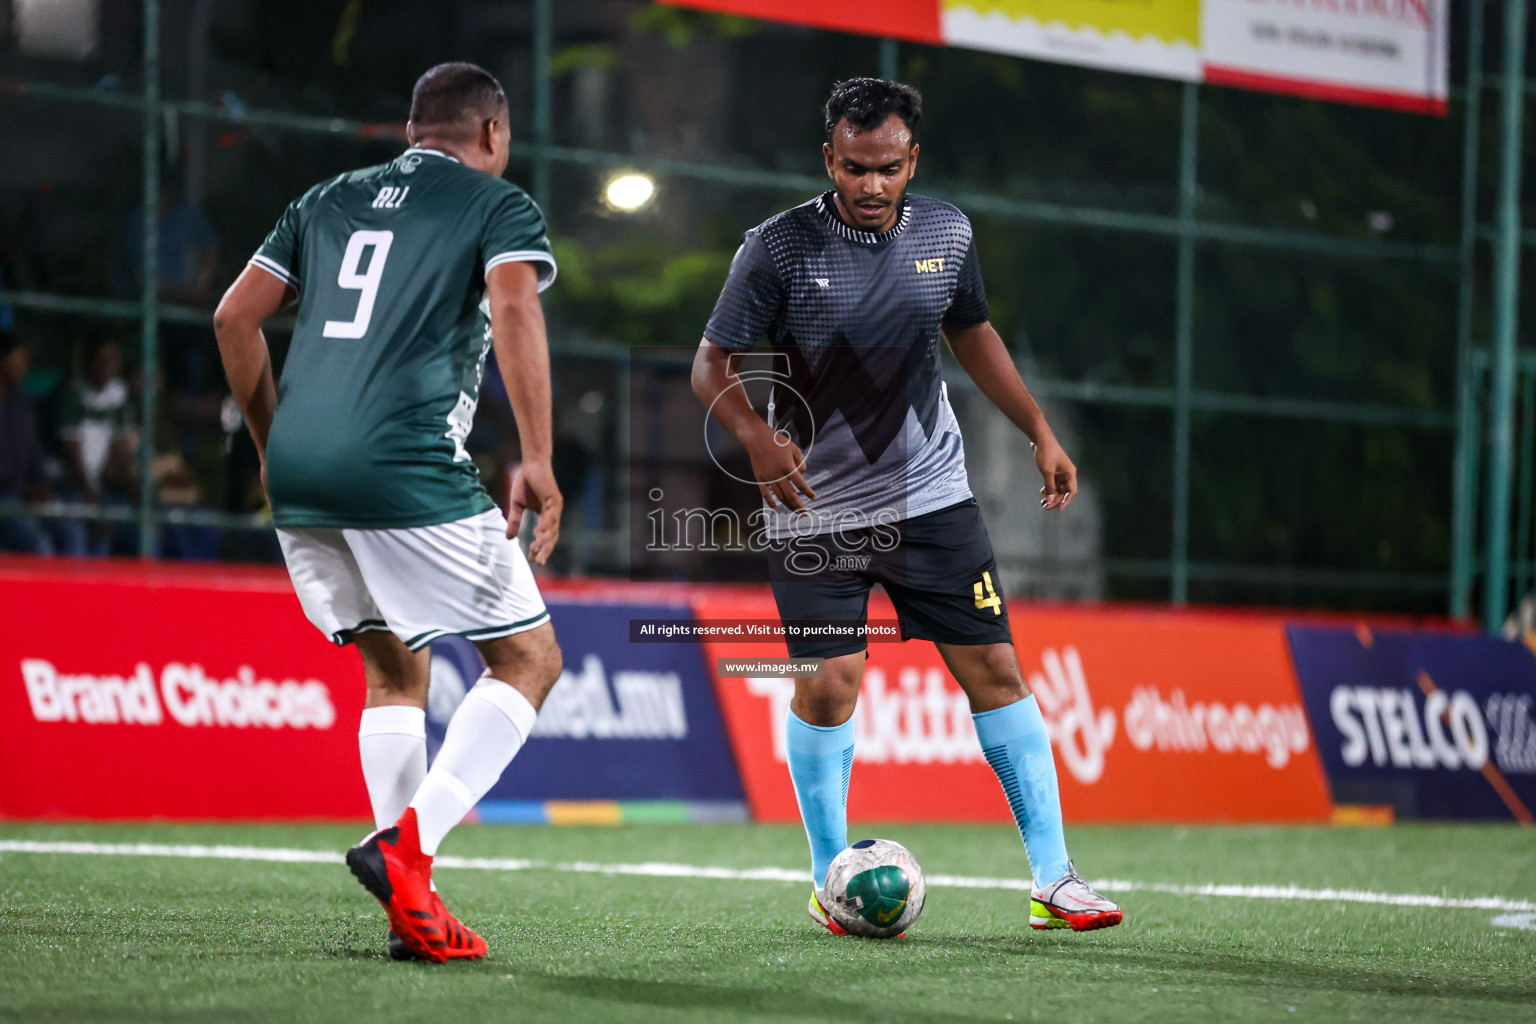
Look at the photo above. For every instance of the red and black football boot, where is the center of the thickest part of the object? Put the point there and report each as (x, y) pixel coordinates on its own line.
(392, 867)
(463, 944)
(398, 950)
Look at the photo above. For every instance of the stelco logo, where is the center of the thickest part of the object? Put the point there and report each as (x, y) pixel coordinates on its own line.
(1388, 727)
(184, 692)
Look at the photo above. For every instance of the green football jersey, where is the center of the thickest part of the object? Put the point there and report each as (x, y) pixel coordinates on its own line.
(379, 389)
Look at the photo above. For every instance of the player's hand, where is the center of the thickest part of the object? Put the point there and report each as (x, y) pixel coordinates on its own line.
(778, 465)
(534, 490)
(1059, 474)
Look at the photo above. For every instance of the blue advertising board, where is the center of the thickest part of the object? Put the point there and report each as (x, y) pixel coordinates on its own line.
(1439, 725)
(626, 722)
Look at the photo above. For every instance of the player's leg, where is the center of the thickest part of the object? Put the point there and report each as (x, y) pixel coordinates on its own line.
(392, 733)
(392, 737)
(488, 729)
(818, 743)
(818, 727)
(485, 733)
(948, 591)
(1017, 745)
(464, 578)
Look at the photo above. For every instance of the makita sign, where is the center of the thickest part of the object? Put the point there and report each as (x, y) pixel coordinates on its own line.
(919, 718)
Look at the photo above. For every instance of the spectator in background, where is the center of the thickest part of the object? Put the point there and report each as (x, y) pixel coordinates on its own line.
(23, 464)
(101, 442)
(97, 422)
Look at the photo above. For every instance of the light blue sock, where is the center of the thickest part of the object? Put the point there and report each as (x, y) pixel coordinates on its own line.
(1018, 748)
(820, 761)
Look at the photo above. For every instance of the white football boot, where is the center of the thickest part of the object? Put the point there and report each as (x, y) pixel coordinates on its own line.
(818, 912)
(1069, 903)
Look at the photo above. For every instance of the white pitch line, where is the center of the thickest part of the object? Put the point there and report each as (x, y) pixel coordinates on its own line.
(662, 869)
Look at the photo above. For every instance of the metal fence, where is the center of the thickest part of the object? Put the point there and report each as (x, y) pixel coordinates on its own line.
(1486, 481)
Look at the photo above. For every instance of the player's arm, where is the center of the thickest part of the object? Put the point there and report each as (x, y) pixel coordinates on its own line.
(255, 296)
(777, 462)
(522, 353)
(984, 357)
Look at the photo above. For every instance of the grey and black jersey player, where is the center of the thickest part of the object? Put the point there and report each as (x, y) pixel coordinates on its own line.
(862, 468)
(406, 274)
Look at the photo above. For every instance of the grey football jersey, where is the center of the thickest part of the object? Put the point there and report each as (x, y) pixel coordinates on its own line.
(857, 317)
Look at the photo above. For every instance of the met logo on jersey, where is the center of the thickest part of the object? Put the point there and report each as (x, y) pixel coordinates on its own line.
(933, 266)
(390, 197)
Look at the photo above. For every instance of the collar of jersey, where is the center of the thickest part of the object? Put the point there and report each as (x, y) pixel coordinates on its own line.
(824, 204)
(433, 152)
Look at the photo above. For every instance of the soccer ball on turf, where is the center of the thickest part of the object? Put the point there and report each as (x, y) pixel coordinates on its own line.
(875, 888)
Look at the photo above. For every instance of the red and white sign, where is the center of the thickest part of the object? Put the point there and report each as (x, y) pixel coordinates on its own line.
(1387, 53)
(134, 694)
(1382, 53)
(1155, 716)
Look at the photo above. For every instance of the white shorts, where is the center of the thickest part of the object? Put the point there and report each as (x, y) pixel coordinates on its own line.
(419, 583)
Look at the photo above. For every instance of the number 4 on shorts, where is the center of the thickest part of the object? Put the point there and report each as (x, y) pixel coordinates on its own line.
(987, 598)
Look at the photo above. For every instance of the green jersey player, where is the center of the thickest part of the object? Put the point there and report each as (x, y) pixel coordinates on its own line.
(406, 275)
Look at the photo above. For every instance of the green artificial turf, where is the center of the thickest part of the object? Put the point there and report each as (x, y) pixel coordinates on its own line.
(111, 938)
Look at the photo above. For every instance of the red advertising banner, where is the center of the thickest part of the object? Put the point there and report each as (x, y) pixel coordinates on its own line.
(913, 20)
(1386, 53)
(132, 694)
(1155, 716)
(136, 692)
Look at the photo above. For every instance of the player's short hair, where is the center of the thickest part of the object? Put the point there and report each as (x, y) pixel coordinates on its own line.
(456, 98)
(866, 103)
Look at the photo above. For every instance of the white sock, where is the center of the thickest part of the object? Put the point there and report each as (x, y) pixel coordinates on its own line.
(393, 743)
(483, 735)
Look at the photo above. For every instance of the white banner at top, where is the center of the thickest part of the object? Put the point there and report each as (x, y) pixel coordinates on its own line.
(1390, 53)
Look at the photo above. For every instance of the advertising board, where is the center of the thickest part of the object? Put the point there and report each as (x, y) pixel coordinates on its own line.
(191, 694)
(1386, 53)
(1383, 53)
(1155, 716)
(173, 695)
(625, 722)
(1436, 725)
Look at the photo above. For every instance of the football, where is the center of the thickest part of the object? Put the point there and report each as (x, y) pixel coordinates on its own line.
(875, 888)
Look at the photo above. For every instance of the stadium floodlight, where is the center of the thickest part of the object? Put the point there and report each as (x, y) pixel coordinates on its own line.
(629, 192)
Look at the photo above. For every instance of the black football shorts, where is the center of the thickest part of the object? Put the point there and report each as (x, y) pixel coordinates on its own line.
(937, 568)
